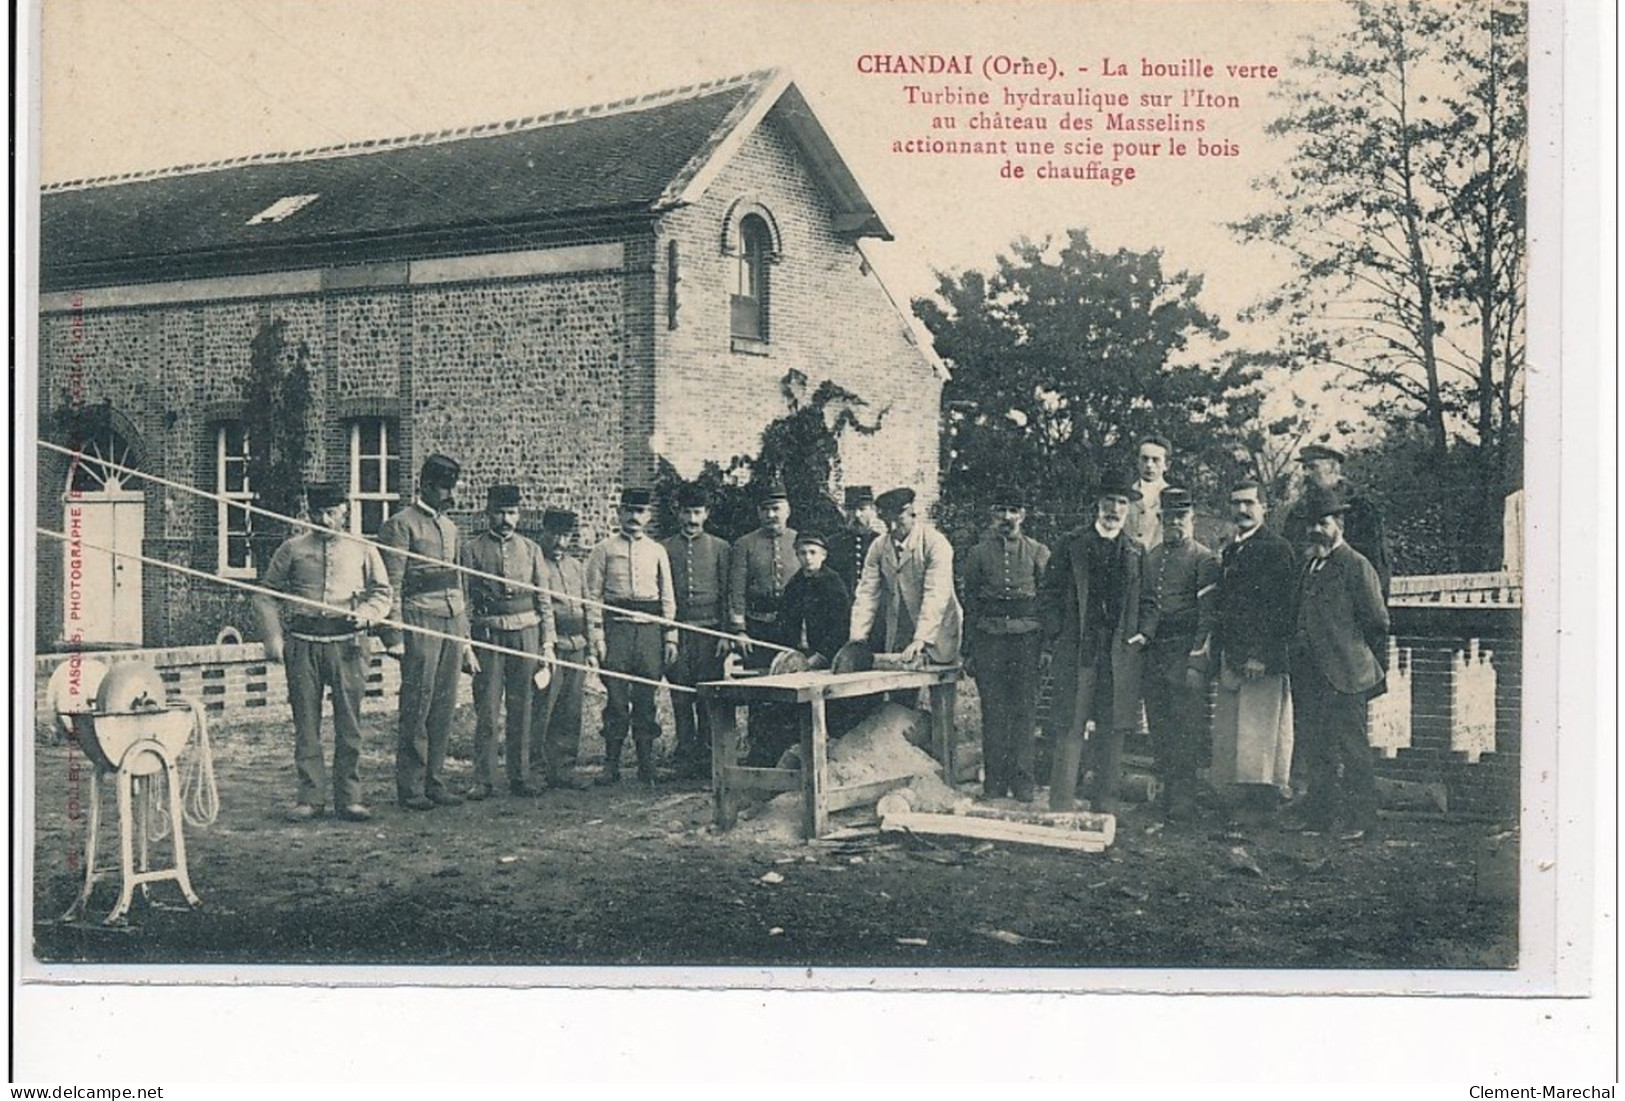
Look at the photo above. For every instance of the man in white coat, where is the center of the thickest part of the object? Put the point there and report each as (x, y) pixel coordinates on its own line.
(907, 586)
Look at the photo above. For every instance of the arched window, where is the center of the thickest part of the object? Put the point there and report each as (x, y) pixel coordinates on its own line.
(751, 287)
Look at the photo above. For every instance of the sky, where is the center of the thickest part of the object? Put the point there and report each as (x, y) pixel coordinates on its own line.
(139, 84)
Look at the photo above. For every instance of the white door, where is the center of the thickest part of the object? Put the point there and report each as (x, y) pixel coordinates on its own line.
(103, 589)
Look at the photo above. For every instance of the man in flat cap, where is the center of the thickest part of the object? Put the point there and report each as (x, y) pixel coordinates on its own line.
(631, 574)
(850, 546)
(1003, 576)
(760, 565)
(428, 592)
(1363, 523)
(1342, 625)
(699, 568)
(515, 614)
(907, 587)
(1252, 627)
(817, 606)
(555, 722)
(322, 648)
(1151, 458)
(1182, 576)
(1095, 608)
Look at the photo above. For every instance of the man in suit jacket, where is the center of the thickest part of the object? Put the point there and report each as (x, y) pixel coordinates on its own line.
(1341, 625)
(907, 587)
(1252, 716)
(1093, 609)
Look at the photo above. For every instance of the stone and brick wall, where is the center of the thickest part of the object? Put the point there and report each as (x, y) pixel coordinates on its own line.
(829, 317)
(521, 380)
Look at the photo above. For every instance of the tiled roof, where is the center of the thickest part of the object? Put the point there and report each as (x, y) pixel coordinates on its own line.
(496, 186)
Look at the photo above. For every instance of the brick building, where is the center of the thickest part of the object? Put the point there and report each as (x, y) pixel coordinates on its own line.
(557, 301)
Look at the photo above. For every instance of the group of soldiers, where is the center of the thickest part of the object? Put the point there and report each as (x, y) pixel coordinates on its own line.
(1130, 611)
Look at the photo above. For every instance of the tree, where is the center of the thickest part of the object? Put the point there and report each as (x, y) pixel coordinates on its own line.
(803, 447)
(1062, 359)
(276, 407)
(1402, 206)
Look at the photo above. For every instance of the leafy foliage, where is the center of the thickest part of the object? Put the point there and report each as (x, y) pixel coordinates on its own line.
(803, 447)
(1402, 206)
(1062, 359)
(276, 401)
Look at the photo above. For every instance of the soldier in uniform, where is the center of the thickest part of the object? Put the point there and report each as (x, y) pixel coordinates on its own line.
(699, 568)
(760, 565)
(1003, 575)
(428, 594)
(324, 648)
(631, 573)
(850, 546)
(1182, 576)
(516, 617)
(555, 721)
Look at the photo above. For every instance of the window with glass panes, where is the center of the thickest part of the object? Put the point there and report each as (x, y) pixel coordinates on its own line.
(375, 473)
(748, 317)
(234, 522)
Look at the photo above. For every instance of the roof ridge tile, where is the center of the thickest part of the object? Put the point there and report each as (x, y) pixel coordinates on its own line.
(424, 138)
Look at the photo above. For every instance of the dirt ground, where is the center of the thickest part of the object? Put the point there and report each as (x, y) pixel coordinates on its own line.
(635, 874)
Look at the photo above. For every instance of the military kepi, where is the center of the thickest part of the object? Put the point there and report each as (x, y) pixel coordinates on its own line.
(1176, 499)
(441, 470)
(894, 501)
(1009, 496)
(559, 521)
(772, 490)
(1319, 451)
(858, 496)
(636, 498)
(693, 496)
(502, 496)
(320, 495)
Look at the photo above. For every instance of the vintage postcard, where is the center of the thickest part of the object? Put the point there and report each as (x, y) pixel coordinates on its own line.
(947, 496)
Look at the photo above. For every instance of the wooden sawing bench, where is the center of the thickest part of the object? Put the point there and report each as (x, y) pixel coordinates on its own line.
(814, 689)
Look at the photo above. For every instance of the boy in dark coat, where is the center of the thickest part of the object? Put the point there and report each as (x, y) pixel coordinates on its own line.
(817, 607)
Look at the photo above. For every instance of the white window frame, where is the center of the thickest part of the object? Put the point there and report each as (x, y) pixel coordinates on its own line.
(388, 430)
(226, 498)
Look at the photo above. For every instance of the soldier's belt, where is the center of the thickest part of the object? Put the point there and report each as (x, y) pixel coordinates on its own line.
(646, 607)
(1006, 624)
(418, 582)
(322, 628)
(502, 622)
(1010, 607)
(511, 606)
